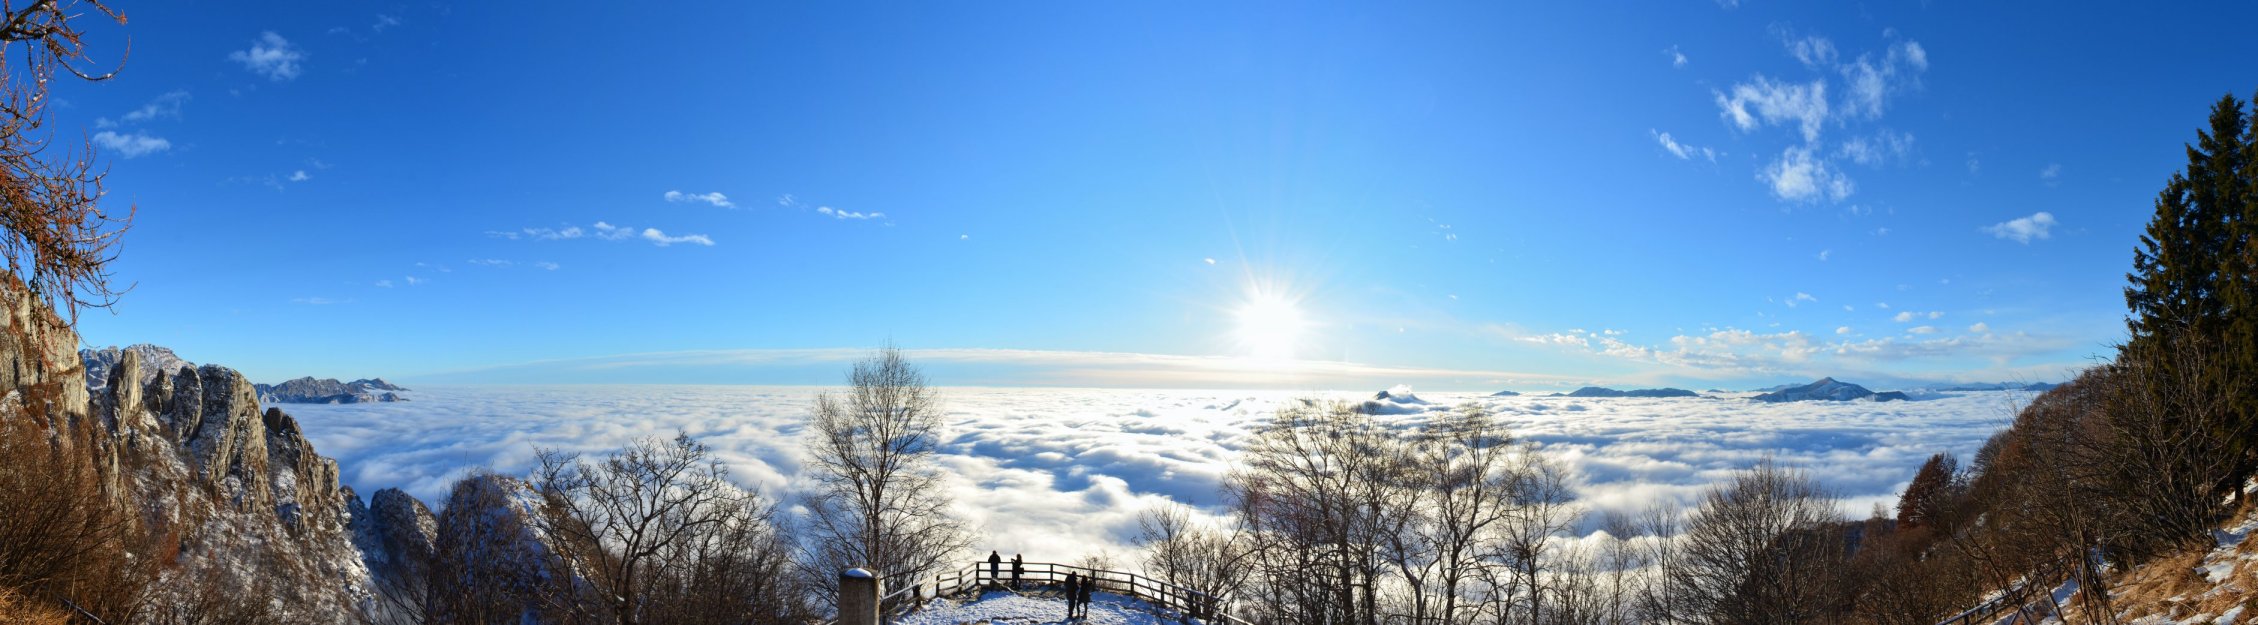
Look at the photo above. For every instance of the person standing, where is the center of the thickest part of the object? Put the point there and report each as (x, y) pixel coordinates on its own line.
(1082, 599)
(1018, 570)
(1073, 590)
(995, 568)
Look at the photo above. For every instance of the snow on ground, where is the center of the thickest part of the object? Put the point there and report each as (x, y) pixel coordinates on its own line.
(1001, 608)
(1060, 473)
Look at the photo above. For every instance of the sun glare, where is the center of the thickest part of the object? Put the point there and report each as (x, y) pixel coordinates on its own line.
(1270, 327)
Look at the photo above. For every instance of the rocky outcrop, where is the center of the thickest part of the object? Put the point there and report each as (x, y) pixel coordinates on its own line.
(155, 360)
(233, 496)
(308, 390)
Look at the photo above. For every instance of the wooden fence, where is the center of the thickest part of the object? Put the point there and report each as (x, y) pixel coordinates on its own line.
(905, 594)
(2023, 594)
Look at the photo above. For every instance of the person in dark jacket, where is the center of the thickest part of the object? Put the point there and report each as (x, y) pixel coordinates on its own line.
(1073, 590)
(995, 568)
(1082, 599)
(1018, 570)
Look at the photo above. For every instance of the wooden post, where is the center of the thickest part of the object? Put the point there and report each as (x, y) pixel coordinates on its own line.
(859, 590)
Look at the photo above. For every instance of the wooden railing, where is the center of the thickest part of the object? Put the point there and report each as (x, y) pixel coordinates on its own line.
(904, 596)
(2022, 594)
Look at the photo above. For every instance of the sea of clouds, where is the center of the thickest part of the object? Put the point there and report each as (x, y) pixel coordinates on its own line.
(1062, 473)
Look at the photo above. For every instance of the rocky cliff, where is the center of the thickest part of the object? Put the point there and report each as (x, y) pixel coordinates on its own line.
(229, 495)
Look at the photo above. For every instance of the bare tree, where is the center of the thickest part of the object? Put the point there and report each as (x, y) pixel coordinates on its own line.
(661, 535)
(54, 232)
(1208, 560)
(1542, 508)
(1762, 549)
(1315, 490)
(878, 501)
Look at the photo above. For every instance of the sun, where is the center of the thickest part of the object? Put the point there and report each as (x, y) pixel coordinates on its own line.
(1270, 327)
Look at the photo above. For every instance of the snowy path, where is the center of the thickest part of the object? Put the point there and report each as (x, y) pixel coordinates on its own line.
(1006, 608)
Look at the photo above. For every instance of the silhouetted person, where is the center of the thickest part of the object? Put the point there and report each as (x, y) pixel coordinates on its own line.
(1018, 569)
(1073, 590)
(1082, 598)
(995, 568)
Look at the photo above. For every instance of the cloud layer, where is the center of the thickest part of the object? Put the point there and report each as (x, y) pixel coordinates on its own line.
(1061, 473)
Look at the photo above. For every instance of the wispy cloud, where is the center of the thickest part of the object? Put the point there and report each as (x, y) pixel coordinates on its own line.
(1681, 150)
(1677, 58)
(319, 301)
(384, 284)
(1799, 176)
(1812, 52)
(1909, 316)
(1872, 80)
(300, 176)
(604, 231)
(1732, 352)
(1763, 101)
(548, 266)
(847, 214)
(132, 145)
(165, 106)
(1021, 367)
(715, 198)
(2051, 174)
(491, 262)
(2039, 225)
(271, 56)
(1881, 148)
(789, 201)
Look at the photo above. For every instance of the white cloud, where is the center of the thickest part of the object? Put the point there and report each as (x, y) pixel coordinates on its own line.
(1210, 261)
(413, 281)
(1755, 104)
(1935, 314)
(1813, 52)
(1974, 166)
(548, 265)
(1681, 150)
(845, 214)
(1980, 328)
(1881, 148)
(662, 240)
(1902, 317)
(132, 145)
(384, 21)
(1841, 330)
(270, 56)
(1801, 297)
(1873, 81)
(1909, 316)
(2051, 173)
(1922, 330)
(1801, 177)
(319, 301)
(490, 262)
(385, 284)
(1677, 58)
(605, 231)
(1064, 472)
(300, 176)
(2039, 225)
(165, 106)
(715, 198)
(1823, 254)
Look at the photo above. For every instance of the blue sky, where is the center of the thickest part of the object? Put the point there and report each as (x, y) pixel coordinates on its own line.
(1460, 196)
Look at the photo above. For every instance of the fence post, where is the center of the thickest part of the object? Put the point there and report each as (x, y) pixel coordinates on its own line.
(859, 590)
